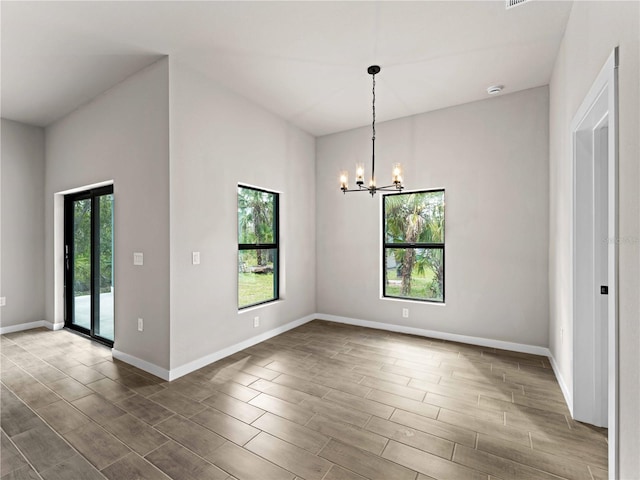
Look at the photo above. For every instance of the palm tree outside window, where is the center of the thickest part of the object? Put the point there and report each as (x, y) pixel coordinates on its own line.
(413, 255)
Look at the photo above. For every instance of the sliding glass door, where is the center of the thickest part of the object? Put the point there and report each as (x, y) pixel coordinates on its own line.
(89, 296)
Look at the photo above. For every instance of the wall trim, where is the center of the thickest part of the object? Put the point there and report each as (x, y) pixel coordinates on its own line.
(568, 398)
(23, 326)
(453, 337)
(52, 326)
(149, 367)
(225, 352)
(194, 365)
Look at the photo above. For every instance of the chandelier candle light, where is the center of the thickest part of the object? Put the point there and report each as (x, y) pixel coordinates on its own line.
(397, 169)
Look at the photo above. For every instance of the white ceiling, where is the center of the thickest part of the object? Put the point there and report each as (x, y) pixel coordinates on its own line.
(305, 61)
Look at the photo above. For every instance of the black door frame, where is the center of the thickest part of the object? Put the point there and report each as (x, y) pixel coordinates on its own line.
(69, 200)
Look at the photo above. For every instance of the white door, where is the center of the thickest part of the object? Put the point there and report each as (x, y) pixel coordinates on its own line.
(595, 259)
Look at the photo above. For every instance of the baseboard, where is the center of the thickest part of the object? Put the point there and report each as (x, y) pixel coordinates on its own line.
(22, 326)
(149, 367)
(225, 352)
(29, 325)
(568, 397)
(194, 365)
(173, 374)
(453, 337)
(52, 326)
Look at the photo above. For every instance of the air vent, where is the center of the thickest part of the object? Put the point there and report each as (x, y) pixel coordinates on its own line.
(515, 3)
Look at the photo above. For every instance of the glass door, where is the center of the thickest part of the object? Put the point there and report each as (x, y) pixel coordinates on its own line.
(89, 293)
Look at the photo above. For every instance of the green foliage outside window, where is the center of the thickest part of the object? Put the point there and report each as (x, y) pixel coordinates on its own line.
(83, 248)
(257, 246)
(414, 245)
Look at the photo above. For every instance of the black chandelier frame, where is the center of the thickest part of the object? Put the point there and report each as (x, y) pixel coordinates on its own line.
(396, 186)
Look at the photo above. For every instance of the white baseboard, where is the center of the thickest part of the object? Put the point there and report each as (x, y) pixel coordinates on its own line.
(453, 337)
(53, 326)
(22, 326)
(173, 374)
(225, 352)
(568, 397)
(149, 367)
(29, 325)
(194, 365)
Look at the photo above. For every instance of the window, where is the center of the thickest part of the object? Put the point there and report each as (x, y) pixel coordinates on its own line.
(413, 240)
(257, 246)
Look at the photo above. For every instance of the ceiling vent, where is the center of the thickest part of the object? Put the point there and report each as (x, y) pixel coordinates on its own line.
(515, 3)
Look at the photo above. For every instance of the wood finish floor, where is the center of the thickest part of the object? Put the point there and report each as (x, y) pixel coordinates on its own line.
(321, 402)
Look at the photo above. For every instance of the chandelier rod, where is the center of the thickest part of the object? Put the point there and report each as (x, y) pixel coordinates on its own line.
(373, 129)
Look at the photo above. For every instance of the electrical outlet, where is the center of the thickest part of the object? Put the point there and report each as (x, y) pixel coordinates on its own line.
(3, 301)
(256, 322)
(140, 325)
(405, 313)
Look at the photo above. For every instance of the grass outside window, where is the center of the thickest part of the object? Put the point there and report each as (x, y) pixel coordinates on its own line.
(257, 246)
(414, 245)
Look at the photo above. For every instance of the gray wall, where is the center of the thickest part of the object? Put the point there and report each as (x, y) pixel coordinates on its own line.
(593, 30)
(492, 158)
(122, 135)
(22, 243)
(175, 192)
(218, 140)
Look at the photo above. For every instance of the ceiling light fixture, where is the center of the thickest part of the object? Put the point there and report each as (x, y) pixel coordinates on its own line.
(397, 169)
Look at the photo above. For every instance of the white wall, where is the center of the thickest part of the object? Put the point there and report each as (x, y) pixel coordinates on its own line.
(22, 243)
(122, 135)
(492, 158)
(218, 140)
(593, 30)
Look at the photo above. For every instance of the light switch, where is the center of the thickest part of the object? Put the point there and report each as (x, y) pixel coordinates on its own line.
(3, 301)
(138, 258)
(195, 258)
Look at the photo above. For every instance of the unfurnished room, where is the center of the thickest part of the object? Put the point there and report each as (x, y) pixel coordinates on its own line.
(323, 240)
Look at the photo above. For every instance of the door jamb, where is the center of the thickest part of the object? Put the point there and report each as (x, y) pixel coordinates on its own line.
(605, 83)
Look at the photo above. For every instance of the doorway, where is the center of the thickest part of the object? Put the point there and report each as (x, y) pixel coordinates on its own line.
(89, 275)
(595, 258)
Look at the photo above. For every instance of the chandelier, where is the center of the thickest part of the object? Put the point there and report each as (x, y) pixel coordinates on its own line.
(397, 169)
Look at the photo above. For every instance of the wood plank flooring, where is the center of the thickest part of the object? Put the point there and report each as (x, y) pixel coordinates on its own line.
(321, 402)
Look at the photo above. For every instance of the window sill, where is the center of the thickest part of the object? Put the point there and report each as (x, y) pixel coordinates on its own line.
(259, 306)
(417, 302)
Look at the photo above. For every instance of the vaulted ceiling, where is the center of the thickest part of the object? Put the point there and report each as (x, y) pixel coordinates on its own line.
(304, 61)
